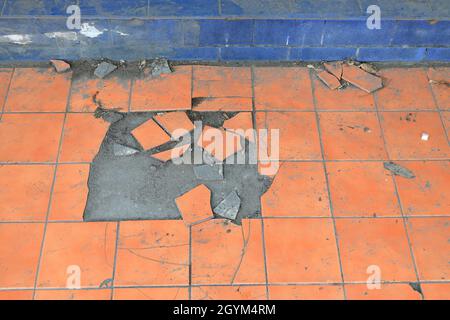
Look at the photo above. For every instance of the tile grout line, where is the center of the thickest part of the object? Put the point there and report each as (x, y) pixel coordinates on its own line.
(38, 267)
(131, 94)
(280, 284)
(440, 216)
(403, 217)
(7, 93)
(437, 107)
(330, 202)
(190, 264)
(262, 161)
(266, 273)
(245, 110)
(116, 249)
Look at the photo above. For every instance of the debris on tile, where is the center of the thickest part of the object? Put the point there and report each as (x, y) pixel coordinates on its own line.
(330, 80)
(160, 66)
(121, 150)
(209, 172)
(368, 68)
(109, 115)
(398, 170)
(229, 207)
(104, 69)
(195, 205)
(361, 79)
(335, 68)
(106, 283)
(60, 66)
(425, 136)
(150, 135)
(173, 122)
(416, 287)
(142, 64)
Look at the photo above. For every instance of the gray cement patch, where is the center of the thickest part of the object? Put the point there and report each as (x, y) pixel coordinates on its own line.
(139, 187)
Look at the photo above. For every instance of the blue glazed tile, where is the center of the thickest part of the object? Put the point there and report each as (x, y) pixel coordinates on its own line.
(440, 8)
(322, 54)
(35, 8)
(203, 54)
(391, 54)
(253, 53)
(356, 33)
(220, 32)
(437, 54)
(106, 8)
(400, 8)
(422, 33)
(32, 53)
(194, 8)
(292, 9)
(166, 32)
(18, 26)
(288, 32)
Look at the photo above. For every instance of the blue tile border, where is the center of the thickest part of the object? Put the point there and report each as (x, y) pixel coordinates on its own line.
(124, 30)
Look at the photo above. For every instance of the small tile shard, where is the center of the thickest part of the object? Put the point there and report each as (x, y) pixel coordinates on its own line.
(361, 79)
(335, 68)
(209, 172)
(176, 152)
(160, 66)
(104, 69)
(330, 80)
(195, 205)
(398, 170)
(425, 136)
(60, 66)
(121, 150)
(229, 207)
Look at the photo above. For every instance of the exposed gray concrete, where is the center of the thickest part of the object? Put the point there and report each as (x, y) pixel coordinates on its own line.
(140, 187)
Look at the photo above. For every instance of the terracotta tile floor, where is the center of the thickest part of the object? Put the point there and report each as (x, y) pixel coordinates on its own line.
(332, 219)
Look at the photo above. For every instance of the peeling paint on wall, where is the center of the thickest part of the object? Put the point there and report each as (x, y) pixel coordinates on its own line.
(91, 31)
(16, 38)
(69, 35)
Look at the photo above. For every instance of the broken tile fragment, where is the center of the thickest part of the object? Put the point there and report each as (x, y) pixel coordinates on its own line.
(195, 205)
(398, 170)
(150, 135)
(219, 143)
(209, 172)
(229, 207)
(171, 154)
(121, 150)
(368, 68)
(176, 123)
(160, 66)
(241, 124)
(361, 79)
(103, 69)
(330, 80)
(335, 68)
(60, 66)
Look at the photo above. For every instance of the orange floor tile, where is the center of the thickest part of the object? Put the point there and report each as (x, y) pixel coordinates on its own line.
(335, 223)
